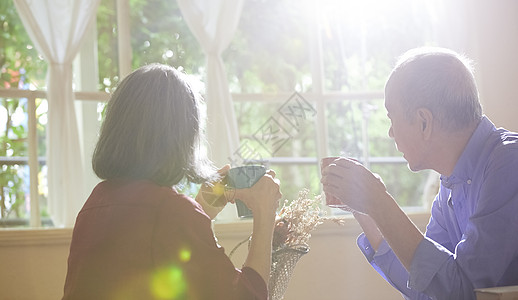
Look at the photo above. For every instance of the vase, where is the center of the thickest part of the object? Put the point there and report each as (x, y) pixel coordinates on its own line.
(283, 264)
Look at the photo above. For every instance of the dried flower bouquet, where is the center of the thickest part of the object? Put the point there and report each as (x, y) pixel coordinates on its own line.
(292, 231)
(296, 220)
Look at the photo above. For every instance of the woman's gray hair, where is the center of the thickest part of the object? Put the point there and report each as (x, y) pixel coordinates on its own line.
(152, 130)
(440, 80)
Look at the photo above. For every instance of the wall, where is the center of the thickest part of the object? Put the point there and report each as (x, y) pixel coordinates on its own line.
(334, 268)
(33, 263)
(487, 32)
(494, 47)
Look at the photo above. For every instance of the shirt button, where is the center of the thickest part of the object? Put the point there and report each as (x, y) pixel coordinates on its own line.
(469, 181)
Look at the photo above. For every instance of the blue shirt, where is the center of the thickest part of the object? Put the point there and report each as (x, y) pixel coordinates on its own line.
(471, 240)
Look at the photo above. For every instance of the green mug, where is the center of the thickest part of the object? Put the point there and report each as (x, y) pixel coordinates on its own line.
(244, 177)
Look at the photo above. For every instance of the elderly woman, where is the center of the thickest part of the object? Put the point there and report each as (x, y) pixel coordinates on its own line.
(139, 238)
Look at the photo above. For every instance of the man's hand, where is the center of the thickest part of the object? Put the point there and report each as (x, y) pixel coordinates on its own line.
(353, 184)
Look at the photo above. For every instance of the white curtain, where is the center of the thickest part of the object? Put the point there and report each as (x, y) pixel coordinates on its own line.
(213, 23)
(57, 28)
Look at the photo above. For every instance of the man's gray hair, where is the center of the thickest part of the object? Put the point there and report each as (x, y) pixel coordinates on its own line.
(440, 80)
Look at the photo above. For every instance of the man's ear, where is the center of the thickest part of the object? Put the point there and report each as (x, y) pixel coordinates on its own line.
(425, 119)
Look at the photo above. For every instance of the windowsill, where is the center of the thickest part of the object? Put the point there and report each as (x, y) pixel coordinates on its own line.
(330, 226)
(10, 237)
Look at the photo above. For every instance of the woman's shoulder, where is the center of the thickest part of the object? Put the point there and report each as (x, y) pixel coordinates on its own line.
(138, 192)
(182, 204)
(175, 209)
(144, 194)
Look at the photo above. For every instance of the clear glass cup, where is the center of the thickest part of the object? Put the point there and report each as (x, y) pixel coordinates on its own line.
(330, 200)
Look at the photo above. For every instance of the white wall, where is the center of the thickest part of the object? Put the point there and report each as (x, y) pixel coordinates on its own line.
(33, 263)
(494, 46)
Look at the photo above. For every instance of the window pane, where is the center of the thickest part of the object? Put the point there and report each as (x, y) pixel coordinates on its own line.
(346, 123)
(41, 128)
(277, 129)
(378, 125)
(407, 187)
(21, 66)
(15, 175)
(351, 124)
(14, 181)
(295, 177)
(361, 39)
(159, 34)
(270, 52)
(107, 45)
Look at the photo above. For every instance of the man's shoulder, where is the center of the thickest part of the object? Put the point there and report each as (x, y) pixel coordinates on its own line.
(504, 144)
(502, 154)
(508, 138)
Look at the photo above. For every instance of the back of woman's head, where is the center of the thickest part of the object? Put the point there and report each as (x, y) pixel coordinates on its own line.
(440, 80)
(152, 130)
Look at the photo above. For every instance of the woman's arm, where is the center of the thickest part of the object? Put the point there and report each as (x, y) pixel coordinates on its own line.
(263, 199)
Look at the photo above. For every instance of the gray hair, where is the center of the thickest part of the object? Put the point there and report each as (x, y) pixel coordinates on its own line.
(152, 130)
(440, 80)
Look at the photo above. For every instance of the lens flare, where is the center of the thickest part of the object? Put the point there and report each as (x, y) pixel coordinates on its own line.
(218, 189)
(184, 255)
(168, 283)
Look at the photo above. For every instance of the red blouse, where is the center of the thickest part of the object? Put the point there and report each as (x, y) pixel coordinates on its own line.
(138, 240)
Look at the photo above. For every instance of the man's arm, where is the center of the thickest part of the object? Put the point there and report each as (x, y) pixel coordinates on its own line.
(365, 193)
(397, 229)
(383, 259)
(445, 271)
(370, 229)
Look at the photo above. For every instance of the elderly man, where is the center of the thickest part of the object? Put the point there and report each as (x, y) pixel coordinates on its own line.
(437, 123)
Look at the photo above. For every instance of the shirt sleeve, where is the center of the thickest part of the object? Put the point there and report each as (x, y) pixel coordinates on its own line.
(185, 241)
(386, 263)
(251, 283)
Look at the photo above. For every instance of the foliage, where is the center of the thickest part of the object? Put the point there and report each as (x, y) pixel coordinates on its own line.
(269, 52)
(107, 45)
(158, 35)
(21, 67)
(18, 57)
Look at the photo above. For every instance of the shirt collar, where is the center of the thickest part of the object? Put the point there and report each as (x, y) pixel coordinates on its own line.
(462, 173)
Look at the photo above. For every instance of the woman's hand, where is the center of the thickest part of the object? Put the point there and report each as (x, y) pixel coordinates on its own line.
(212, 196)
(262, 198)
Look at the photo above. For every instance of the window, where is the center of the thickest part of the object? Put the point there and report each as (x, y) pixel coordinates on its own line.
(337, 56)
(22, 69)
(326, 60)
